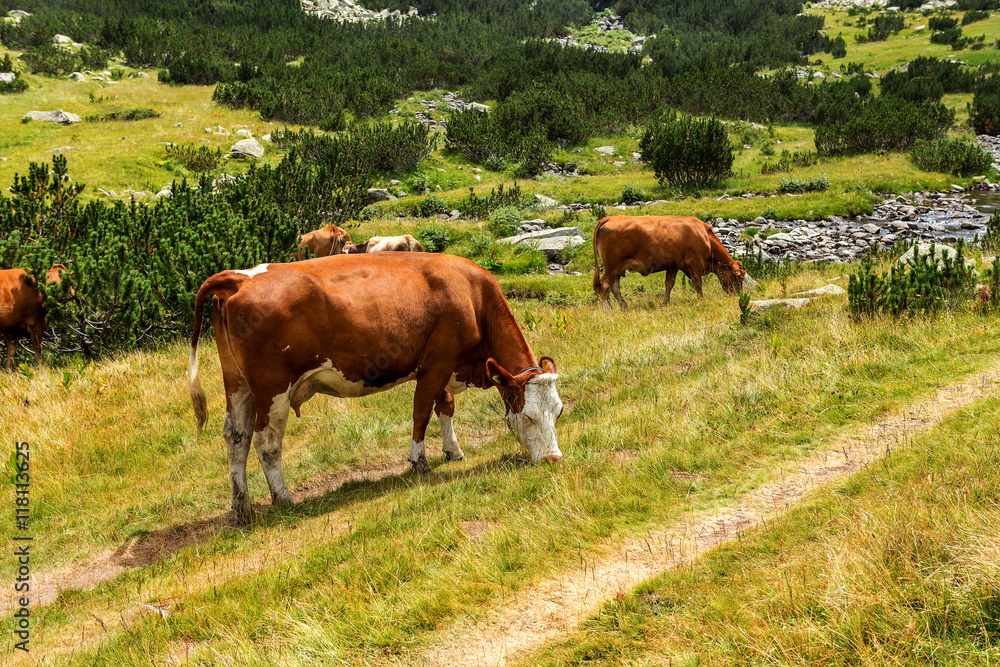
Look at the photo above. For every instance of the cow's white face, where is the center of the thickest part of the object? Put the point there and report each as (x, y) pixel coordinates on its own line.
(535, 424)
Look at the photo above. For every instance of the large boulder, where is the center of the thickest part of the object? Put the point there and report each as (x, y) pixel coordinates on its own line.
(7, 77)
(549, 241)
(61, 39)
(247, 148)
(58, 116)
(77, 76)
(476, 106)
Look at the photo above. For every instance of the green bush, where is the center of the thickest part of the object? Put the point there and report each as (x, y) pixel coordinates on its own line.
(480, 207)
(123, 115)
(483, 138)
(820, 183)
(431, 205)
(788, 160)
(881, 123)
(631, 194)
(380, 147)
(504, 221)
(918, 289)
(560, 117)
(991, 238)
(984, 111)
(688, 151)
(434, 237)
(334, 122)
(956, 156)
(18, 85)
(136, 268)
(51, 60)
(197, 159)
(975, 15)
(942, 23)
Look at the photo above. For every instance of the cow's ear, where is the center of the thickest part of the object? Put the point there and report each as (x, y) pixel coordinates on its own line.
(498, 374)
(548, 364)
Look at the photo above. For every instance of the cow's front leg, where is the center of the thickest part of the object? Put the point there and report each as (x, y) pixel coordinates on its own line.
(267, 442)
(444, 407)
(428, 390)
(237, 431)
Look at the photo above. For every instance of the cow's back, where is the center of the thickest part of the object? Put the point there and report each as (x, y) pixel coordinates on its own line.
(648, 244)
(372, 316)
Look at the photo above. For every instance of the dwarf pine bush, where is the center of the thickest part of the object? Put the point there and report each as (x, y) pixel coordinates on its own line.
(688, 151)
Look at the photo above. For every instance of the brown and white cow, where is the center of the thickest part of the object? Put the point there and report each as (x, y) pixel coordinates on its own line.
(649, 244)
(21, 311)
(404, 243)
(323, 242)
(352, 326)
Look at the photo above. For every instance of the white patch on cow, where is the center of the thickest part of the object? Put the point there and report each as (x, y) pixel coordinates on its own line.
(456, 387)
(535, 425)
(193, 365)
(260, 268)
(416, 451)
(449, 441)
(331, 381)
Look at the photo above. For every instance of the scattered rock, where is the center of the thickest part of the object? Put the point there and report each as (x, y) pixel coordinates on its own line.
(376, 195)
(247, 148)
(549, 241)
(788, 304)
(244, 133)
(77, 76)
(61, 39)
(61, 149)
(547, 202)
(58, 116)
(828, 290)
(607, 150)
(7, 77)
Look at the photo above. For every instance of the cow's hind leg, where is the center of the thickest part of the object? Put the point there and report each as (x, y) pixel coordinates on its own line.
(668, 284)
(10, 351)
(696, 281)
(36, 343)
(616, 289)
(238, 432)
(444, 407)
(267, 441)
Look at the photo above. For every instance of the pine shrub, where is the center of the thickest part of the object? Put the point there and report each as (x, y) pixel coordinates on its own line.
(956, 156)
(688, 151)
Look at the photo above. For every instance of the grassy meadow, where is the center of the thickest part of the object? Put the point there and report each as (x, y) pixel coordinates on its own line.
(670, 412)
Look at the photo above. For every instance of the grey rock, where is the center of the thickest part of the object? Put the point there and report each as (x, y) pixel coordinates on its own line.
(547, 202)
(788, 304)
(829, 290)
(870, 228)
(61, 149)
(61, 39)
(7, 77)
(247, 148)
(607, 150)
(476, 106)
(58, 116)
(77, 76)
(376, 195)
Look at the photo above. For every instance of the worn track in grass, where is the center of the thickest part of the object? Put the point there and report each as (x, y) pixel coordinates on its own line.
(556, 606)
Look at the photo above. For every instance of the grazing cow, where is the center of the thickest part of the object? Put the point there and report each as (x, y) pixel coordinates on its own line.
(21, 311)
(404, 243)
(353, 326)
(329, 240)
(648, 244)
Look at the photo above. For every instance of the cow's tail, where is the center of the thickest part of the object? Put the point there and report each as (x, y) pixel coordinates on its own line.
(223, 285)
(597, 257)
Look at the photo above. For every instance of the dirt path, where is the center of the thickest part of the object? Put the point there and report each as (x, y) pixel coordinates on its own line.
(164, 543)
(556, 606)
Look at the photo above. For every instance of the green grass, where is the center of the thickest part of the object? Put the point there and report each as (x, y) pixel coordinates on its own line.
(895, 565)
(376, 568)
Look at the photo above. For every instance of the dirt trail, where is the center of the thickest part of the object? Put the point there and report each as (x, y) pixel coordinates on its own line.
(556, 606)
(164, 543)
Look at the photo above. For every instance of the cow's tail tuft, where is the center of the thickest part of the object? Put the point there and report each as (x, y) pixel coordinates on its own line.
(223, 285)
(597, 258)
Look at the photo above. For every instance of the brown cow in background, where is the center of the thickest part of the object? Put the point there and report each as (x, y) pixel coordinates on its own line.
(329, 240)
(21, 311)
(649, 244)
(404, 243)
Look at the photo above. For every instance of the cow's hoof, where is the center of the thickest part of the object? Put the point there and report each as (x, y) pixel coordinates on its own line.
(453, 456)
(420, 465)
(244, 515)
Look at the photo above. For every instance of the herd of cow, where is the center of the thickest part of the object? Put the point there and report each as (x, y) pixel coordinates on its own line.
(356, 320)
